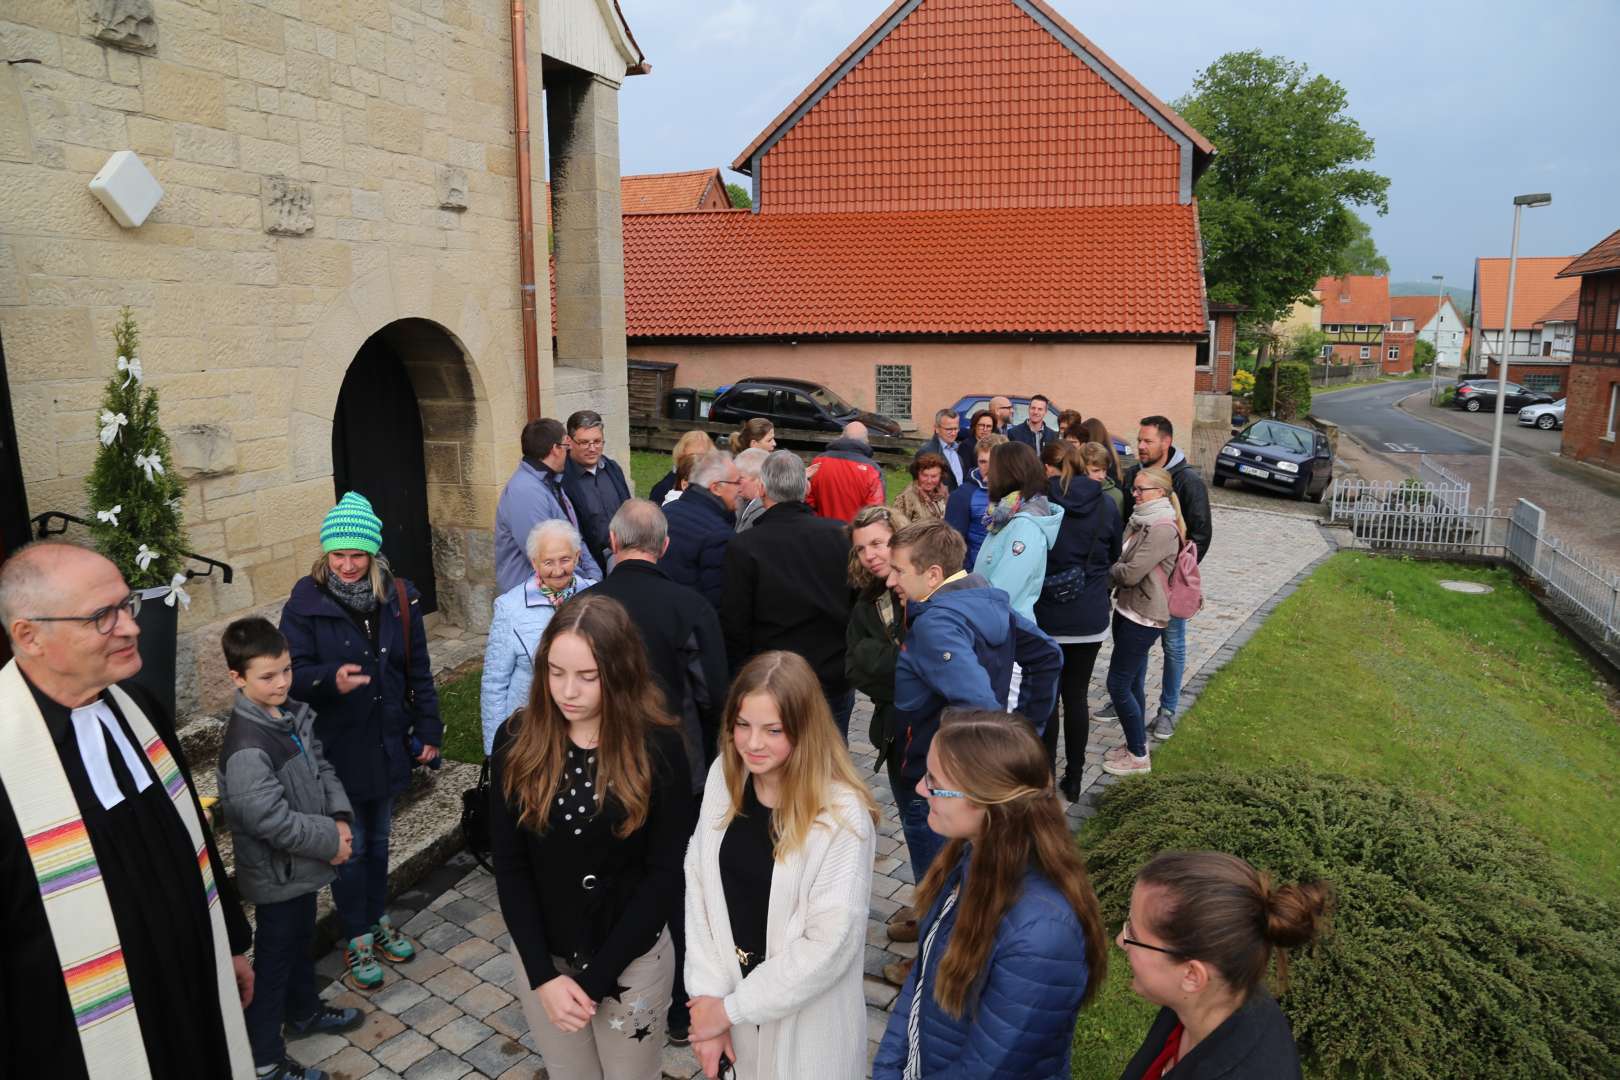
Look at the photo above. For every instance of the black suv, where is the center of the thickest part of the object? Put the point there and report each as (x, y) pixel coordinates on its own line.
(792, 403)
(1477, 394)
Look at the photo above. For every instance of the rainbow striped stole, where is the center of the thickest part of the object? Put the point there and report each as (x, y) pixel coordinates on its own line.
(75, 897)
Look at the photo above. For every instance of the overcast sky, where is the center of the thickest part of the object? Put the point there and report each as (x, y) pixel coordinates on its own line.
(1468, 103)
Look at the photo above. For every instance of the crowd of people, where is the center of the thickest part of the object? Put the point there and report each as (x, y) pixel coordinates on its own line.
(683, 846)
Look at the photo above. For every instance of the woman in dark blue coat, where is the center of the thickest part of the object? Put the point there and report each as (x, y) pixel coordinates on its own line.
(343, 627)
(1074, 603)
(1012, 945)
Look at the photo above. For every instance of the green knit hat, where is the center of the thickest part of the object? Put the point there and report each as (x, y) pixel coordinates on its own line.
(352, 526)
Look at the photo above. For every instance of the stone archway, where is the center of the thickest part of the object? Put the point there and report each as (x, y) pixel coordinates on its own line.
(444, 340)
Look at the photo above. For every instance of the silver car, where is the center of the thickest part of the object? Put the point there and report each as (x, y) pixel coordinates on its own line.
(1545, 417)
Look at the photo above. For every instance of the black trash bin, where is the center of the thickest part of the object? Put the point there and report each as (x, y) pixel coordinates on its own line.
(683, 403)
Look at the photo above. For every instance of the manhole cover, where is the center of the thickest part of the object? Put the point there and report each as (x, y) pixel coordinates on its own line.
(1474, 588)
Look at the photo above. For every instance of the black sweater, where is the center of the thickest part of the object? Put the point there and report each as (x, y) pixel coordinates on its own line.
(634, 883)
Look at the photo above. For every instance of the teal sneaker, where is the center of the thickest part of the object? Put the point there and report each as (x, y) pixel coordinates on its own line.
(392, 945)
(364, 972)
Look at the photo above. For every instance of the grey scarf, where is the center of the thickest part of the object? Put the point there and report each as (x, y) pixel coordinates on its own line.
(356, 596)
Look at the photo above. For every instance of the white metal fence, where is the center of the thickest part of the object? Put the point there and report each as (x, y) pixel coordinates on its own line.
(1434, 518)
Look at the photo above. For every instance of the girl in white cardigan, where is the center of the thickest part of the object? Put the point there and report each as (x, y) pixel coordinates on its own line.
(777, 881)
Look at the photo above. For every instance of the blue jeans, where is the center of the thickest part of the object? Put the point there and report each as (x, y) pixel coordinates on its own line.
(361, 888)
(283, 975)
(922, 843)
(1127, 678)
(842, 706)
(1175, 663)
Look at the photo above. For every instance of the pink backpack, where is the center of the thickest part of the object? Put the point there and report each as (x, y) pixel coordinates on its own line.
(1183, 587)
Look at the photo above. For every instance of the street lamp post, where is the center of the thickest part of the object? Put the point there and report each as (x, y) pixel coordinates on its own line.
(1519, 203)
(1434, 362)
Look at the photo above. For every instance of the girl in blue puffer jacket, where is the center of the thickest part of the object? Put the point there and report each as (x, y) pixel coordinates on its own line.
(1012, 945)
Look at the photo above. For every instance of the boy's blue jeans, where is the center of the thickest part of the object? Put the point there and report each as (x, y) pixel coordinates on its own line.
(361, 888)
(283, 975)
(922, 843)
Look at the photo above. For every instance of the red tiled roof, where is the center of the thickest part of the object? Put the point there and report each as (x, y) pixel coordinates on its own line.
(1075, 270)
(671, 192)
(1536, 290)
(970, 104)
(1355, 298)
(1566, 310)
(1604, 256)
(1420, 309)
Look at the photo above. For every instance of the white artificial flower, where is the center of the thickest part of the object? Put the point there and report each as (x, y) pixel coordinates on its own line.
(110, 423)
(133, 366)
(177, 593)
(144, 557)
(150, 462)
(111, 516)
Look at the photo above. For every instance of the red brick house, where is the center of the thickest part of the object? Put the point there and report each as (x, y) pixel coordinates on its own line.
(971, 198)
(1592, 415)
(1354, 313)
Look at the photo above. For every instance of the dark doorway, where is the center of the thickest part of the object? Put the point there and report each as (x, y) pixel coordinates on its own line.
(377, 451)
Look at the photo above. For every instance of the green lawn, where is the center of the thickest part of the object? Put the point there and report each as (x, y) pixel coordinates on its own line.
(458, 708)
(1371, 669)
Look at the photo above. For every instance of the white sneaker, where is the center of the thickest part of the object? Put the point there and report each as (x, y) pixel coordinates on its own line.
(1127, 764)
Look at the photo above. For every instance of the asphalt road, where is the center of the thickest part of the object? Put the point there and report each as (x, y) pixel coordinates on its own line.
(1369, 413)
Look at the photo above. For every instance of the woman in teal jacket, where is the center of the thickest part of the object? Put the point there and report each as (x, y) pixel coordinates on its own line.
(1023, 526)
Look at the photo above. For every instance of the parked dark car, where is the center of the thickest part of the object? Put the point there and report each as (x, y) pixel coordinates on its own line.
(1279, 457)
(792, 403)
(1477, 394)
(965, 407)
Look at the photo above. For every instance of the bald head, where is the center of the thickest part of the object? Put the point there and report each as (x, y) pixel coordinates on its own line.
(855, 430)
(38, 577)
(48, 592)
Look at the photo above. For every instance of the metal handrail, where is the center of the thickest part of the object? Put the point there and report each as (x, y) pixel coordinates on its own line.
(43, 523)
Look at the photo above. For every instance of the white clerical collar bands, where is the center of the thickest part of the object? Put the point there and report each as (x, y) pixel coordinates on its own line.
(93, 752)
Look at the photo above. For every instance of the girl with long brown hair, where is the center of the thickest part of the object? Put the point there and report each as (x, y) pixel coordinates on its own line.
(1094, 430)
(1012, 945)
(756, 432)
(1203, 929)
(778, 876)
(590, 808)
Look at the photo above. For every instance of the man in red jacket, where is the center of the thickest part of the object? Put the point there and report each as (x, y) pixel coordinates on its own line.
(845, 477)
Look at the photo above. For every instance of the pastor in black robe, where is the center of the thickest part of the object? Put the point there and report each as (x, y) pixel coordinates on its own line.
(155, 890)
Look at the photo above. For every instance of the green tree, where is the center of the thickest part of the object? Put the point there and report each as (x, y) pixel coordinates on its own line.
(1289, 396)
(1304, 345)
(1360, 255)
(1422, 355)
(740, 199)
(133, 490)
(1274, 205)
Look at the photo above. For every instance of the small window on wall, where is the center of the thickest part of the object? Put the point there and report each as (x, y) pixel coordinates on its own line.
(1204, 358)
(1547, 384)
(1614, 411)
(1394, 352)
(894, 390)
(1327, 352)
(1366, 352)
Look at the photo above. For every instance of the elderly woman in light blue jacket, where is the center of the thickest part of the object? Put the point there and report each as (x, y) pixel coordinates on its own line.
(521, 615)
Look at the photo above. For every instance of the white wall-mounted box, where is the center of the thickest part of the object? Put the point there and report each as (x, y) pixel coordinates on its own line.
(126, 189)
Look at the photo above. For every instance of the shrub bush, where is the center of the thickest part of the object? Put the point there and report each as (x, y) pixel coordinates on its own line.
(1293, 390)
(1242, 383)
(1457, 949)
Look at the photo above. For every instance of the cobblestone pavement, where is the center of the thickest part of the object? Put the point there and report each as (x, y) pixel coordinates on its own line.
(449, 1014)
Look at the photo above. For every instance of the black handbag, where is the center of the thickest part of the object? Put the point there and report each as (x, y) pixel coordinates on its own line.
(475, 818)
(1065, 586)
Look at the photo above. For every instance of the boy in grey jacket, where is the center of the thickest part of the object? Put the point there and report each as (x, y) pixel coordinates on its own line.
(289, 819)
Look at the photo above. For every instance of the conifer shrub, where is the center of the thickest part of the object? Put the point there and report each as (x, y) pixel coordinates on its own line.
(1458, 947)
(1293, 397)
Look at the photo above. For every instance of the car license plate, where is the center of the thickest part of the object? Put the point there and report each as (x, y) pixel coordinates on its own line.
(1250, 470)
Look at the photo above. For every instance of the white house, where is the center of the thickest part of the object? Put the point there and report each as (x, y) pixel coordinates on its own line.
(1435, 321)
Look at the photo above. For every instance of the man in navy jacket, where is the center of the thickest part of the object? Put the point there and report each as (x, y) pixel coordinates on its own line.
(1033, 432)
(962, 640)
(535, 494)
(701, 524)
(594, 482)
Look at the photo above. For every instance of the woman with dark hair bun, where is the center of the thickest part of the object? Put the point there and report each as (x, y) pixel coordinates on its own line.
(1203, 928)
(755, 432)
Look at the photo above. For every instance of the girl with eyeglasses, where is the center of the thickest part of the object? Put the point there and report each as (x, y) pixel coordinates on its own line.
(778, 876)
(1012, 945)
(1202, 931)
